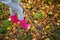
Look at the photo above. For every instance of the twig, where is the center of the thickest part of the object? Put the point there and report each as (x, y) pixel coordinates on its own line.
(55, 34)
(36, 25)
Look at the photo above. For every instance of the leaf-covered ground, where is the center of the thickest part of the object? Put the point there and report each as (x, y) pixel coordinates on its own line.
(43, 15)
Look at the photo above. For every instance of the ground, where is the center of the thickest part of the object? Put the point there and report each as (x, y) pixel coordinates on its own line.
(43, 15)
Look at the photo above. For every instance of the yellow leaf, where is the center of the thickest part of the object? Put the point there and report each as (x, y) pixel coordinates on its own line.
(44, 32)
(33, 28)
(58, 21)
(35, 21)
(47, 27)
(8, 28)
(9, 19)
(6, 37)
(56, 15)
